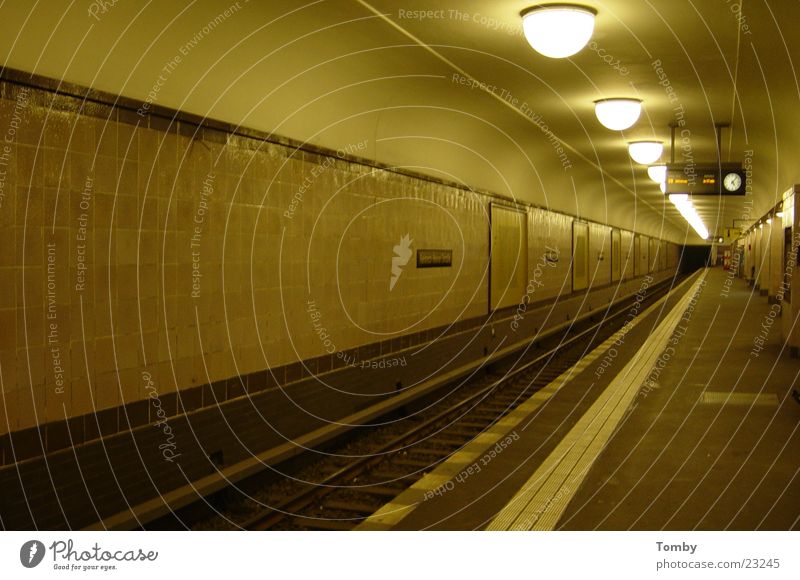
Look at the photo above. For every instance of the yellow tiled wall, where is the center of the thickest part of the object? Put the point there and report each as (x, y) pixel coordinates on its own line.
(549, 253)
(136, 261)
(627, 254)
(105, 226)
(599, 254)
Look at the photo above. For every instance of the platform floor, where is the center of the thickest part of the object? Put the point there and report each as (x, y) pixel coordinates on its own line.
(710, 441)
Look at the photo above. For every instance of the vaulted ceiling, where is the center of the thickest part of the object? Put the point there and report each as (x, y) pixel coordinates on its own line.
(405, 77)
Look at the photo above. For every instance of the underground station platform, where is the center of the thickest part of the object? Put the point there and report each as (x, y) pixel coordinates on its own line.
(679, 431)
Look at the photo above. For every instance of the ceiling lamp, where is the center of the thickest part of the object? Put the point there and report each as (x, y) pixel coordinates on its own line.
(663, 186)
(558, 30)
(779, 213)
(769, 220)
(719, 240)
(645, 152)
(618, 114)
(657, 173)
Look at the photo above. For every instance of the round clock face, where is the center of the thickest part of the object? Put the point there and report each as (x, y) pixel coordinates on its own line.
(732, 181)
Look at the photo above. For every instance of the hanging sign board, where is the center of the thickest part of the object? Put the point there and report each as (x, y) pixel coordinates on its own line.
(706, 179)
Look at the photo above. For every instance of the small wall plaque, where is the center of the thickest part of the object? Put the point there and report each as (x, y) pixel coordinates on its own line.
(434, 258)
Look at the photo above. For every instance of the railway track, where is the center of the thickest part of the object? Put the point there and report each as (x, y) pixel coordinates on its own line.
(351, 483)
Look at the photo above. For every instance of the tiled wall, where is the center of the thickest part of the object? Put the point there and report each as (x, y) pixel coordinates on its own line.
(128, 250)
(599, 254)
(549, 254)
(757, 255)
(140, 256)
(627, 254)
(776, 266)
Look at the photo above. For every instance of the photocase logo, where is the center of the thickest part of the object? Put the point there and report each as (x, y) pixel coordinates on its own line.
(31, 553)
(402, 256)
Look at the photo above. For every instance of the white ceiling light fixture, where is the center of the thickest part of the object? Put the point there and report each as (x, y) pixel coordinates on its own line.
(663, 186)
(645, 152)
(618, 114)
(558, 30)
(657, 173)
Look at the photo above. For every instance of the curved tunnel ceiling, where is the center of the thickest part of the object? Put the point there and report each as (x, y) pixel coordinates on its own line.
(399, 83)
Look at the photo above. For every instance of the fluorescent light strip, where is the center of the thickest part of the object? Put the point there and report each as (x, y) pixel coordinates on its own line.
(685, 207)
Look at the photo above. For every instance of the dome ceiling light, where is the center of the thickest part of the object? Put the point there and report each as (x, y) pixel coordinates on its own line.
(618, 114)
(657, 173)
(645, 152)
(558, 30)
